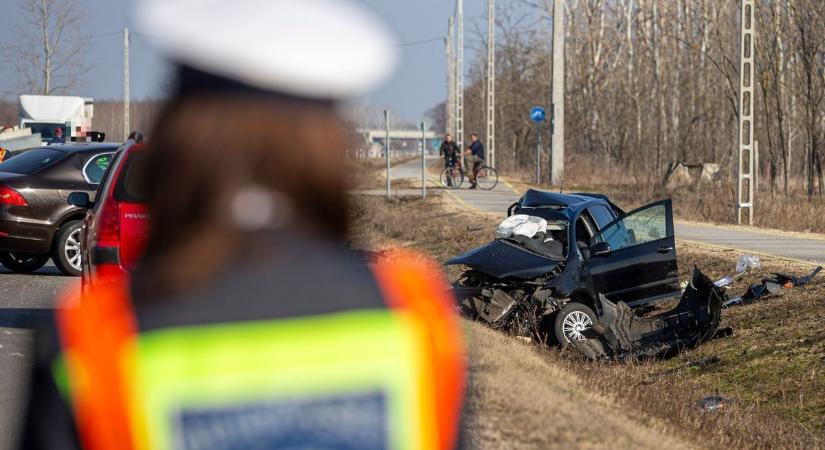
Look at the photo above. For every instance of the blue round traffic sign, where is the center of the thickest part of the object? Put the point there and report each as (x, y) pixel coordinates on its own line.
(538, 114)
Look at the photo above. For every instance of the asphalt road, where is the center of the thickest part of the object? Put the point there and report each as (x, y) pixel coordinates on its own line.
(24, 299)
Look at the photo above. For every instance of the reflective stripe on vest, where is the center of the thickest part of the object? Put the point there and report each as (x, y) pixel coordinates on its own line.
(278, 382)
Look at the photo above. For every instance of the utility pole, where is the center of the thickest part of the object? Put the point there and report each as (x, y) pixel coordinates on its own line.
(491, 82)
(125, 83)
(450, 107)
(459, 76)
(745, 184)
(557, 118)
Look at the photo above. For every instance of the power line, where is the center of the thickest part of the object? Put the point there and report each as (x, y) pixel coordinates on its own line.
(425, 41)
(84, 38)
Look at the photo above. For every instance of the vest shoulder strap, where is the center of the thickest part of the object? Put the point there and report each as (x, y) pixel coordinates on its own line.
(414, 282)
(93, 334)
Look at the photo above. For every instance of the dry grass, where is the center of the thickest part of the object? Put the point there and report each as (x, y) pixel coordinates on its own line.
(533, 397)
(519, 398)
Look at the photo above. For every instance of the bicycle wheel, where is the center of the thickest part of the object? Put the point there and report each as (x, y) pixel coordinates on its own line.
(451, 178)
(487, 178)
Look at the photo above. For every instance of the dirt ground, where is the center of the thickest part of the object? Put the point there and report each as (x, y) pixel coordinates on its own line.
(524, 395)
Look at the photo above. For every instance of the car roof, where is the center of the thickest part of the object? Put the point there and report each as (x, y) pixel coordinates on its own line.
(83, 147)
(535, 198)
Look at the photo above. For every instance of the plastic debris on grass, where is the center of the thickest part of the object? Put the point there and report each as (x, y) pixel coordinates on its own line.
(714, 403)
(774, 285)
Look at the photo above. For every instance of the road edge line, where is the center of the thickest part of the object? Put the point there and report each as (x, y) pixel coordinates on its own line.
(769, 255)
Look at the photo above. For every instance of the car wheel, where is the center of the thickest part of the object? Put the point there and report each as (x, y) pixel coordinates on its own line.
(23, 262)
(572, 320)
(66, 252)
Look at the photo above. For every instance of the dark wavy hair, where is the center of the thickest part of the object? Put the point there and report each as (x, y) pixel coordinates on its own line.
(207, 147)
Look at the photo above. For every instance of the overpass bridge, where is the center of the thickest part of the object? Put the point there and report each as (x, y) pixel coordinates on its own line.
(380, 135)
(402, 141)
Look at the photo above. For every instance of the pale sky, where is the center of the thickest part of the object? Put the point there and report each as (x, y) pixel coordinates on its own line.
(418, 84)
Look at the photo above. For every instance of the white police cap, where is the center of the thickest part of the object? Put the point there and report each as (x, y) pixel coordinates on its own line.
(321, 49)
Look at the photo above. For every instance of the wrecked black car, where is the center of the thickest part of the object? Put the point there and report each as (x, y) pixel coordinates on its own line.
(545, 282)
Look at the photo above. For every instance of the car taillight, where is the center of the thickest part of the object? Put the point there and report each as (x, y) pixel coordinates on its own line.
(109, 229)
(9, 196)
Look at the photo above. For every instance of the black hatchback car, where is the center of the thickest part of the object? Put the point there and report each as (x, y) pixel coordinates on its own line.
(554, 279)
(36, 220)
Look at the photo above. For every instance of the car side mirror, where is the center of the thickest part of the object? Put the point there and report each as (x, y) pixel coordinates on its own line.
(80, 199)
(601, 249)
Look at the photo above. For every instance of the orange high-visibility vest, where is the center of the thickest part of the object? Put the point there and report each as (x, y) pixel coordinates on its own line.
(133, 390)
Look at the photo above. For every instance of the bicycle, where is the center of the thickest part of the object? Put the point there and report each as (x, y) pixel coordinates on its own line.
(453, 178)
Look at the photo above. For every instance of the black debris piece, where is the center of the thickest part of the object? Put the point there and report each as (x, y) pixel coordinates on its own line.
(622, 335)
(774, 285)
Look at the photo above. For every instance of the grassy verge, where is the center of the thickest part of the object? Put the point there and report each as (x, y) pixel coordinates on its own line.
(529, 396)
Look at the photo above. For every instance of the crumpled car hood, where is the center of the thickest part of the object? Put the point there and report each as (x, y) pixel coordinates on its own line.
(501, 259)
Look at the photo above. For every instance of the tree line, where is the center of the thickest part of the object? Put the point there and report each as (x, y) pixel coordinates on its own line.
(650, 82)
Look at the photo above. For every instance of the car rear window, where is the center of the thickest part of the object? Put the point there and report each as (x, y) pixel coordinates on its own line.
(129, 187)
(32, 161)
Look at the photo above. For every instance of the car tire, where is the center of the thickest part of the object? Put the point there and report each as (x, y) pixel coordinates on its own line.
(66, 251)
(22, 262)
(573, 318)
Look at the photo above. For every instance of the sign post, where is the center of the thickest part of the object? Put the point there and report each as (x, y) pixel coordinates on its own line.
(538, 115)
(423, 160)
(387, 149)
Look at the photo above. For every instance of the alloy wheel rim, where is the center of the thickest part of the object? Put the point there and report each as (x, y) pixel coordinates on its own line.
(574, 324)
(72, 249)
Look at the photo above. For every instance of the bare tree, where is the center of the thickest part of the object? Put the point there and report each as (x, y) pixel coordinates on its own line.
(49, 50)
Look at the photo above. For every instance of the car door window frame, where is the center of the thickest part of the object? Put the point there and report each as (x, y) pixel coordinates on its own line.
(669, 226)
(89, 161)
(607, 212)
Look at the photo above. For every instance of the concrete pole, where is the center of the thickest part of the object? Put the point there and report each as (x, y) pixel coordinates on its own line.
(459, 76)
(450, 106)
(387, 149)
(126, 127)
(557, 159)
(491, 83)
(745, 186)
(423, 161)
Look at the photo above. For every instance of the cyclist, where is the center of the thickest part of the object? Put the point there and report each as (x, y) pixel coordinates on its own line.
(474, 158)
(450, 154)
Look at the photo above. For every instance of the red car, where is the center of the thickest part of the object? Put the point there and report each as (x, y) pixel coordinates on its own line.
(114, 230)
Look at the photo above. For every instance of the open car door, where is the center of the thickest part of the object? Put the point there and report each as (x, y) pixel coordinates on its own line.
(640, 266)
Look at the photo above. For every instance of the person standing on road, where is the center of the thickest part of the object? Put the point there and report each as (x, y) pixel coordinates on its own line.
(58, 137)
(247, 323)
(474, 159)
